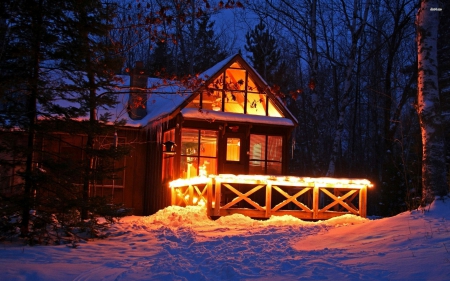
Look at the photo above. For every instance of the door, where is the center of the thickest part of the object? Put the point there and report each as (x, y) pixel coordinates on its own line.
(233, 156)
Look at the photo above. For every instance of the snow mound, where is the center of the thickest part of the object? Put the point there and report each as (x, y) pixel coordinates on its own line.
(196, 217)
(175, 216)
(440, 207)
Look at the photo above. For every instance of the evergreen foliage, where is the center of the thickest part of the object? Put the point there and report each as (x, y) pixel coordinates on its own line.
(265, 53)
(89, 63)
(207, 51)
(54, 64)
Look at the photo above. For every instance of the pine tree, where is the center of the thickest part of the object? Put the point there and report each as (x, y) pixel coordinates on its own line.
(41, 64)
(265, 53)
(26, 90)
(89, 64)
(207, 50)
(160, 60)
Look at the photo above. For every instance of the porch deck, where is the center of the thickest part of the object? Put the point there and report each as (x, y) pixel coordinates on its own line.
(260, 196)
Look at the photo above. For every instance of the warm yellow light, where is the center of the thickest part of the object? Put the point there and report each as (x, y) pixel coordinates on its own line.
(187, 182)
(282, 180)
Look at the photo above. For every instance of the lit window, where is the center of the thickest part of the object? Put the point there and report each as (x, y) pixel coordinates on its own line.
(198, 152)
(233, 149)
(265, 154)
(234, 90)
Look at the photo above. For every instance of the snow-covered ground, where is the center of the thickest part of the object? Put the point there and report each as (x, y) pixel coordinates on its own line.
(183, 244)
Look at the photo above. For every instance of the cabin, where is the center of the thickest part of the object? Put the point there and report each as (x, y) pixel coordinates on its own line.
(229, 124)
(222, 139)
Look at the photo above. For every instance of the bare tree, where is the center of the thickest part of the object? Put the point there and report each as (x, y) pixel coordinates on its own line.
(356, 23)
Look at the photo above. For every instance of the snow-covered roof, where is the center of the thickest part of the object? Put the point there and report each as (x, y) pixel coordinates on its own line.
(213, 70)
(210, 115)
(165, 97)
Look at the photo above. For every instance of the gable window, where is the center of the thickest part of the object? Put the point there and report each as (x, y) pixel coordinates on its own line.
(198, 153)
(265, 154)
(235, 91)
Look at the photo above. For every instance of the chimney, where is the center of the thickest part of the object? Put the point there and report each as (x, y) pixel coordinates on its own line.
(137, 102)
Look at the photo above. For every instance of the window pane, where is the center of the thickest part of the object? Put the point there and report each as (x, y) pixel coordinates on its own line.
(194, 103)
(257, 147)
(273, 168)
(235, 79)
(209, 164)
(236, 65)
(251, 86)
(233, 149)
(275, 148)
(189, 142)
(208, 143)
(191, 165)
(188, 167)
(257, 167)
(256, 104)
(273, 111)
(218, 83)
(212, 100)
(234, 101)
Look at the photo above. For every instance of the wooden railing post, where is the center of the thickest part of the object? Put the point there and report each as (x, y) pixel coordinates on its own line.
(363, 202)
(268, 200)
(173, 196)
(218, 186)
(315, 202)
(191, 195)
(209, 197)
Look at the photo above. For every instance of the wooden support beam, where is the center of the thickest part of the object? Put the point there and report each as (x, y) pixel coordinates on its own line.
(316, 202)
(173, 196)
(242, 196)
(363, 202)
(346, 192)
(191, 195)
(339, 200)
(209, 197)
(292, 199)
(268, 200)
(218, 187)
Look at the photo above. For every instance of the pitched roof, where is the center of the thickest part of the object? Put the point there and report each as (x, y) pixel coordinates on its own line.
(208, 77)
(168, 98)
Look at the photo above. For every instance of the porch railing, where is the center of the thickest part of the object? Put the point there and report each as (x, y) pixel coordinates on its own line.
(266, 196)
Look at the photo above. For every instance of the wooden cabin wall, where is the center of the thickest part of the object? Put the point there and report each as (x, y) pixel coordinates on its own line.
(157, 193)
(130, 193)
(135, 170)
(10, 182)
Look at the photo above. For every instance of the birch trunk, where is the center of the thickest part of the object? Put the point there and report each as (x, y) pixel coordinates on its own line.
(428, 103)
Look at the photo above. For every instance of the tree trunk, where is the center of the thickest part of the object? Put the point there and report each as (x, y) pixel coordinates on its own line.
(428, 103)
(31, 107)
(356, 33)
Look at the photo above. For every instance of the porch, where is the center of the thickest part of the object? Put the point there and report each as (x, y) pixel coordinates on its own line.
(259, 196)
